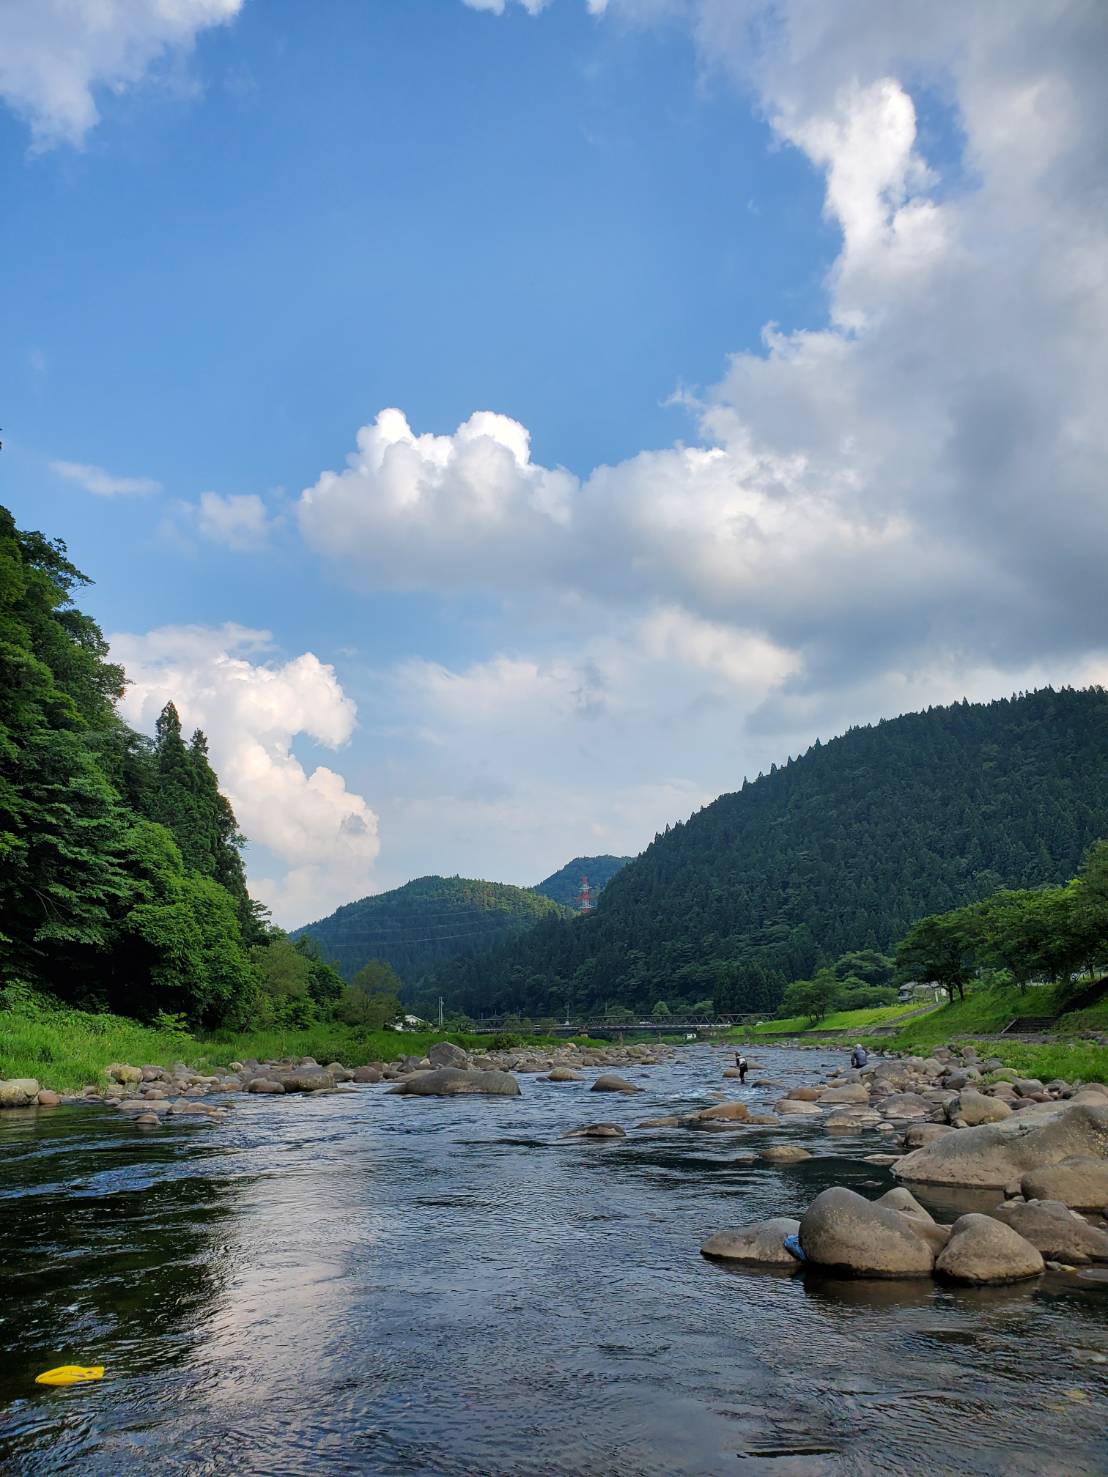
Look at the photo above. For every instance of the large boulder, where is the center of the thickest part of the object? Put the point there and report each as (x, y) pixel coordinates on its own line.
(563, 1074)
(999, 1154)
(728, 1112)
(18, 1092)
(122, 1072)
(797, 1108)
(849, 1092)
(982, 1250)
(843, 1232)
(918, 1134)
(800, 1095)
(1080, 1182)
(611, 1083)
(446, 1054)
(761, 1242)
(1059, 1233)
(784, 1154)
(922, 1221)
(304, 1080)
(456, 1081)
(366, 1074)
(264, 1085)
(973, 1108)
(905, 1105)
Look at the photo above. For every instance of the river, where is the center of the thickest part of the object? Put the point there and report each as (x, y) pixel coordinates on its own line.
(365, 1283)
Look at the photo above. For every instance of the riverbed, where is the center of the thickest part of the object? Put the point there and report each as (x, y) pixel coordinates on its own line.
(365, 1283)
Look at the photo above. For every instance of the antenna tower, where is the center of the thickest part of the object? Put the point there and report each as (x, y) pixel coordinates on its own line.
(584, 897)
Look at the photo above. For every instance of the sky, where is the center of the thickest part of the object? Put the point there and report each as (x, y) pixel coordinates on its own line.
(504, 425)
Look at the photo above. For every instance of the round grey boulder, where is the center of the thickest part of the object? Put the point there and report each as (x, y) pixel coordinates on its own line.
(983, 1250)
(447, 1054)
(784, 1154)
(843, 1232)
(1080, 1182)
(973, 1108)
(264, 1085)
(1058, 1232)
(760, 1243)
(999, 1154)
(611, 1083)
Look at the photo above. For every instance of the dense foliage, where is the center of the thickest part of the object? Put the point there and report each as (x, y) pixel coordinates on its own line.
(1048, 934)
(840, 849)
(121, 880)
(564, 886)
(415, 926)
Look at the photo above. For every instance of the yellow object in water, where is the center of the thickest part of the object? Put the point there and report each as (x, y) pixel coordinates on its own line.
(70, 1374)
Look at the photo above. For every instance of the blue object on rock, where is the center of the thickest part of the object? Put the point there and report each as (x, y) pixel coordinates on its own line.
(793, 1247)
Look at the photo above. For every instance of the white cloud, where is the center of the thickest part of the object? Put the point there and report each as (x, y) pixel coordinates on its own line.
(497, 7)
(104, 484)
(56, 54)
(252, 711)
(238, 522)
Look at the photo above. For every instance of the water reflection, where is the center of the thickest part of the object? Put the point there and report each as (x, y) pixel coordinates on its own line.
(365, 1284)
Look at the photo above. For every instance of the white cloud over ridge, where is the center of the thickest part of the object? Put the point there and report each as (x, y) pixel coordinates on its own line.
(56, 54)
(252, 710)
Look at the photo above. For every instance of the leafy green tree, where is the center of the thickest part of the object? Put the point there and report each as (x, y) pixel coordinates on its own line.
(660, 1011)
(940, 948)
(813, 999)
(376, 977)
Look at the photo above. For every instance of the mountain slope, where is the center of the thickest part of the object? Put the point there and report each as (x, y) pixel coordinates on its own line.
(425, 921)
(841, 848)
(564, 886)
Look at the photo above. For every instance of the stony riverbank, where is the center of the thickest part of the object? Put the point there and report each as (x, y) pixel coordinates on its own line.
(1038, 1151)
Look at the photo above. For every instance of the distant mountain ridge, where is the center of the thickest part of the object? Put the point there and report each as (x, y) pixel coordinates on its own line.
(564, 886)
(427, 920)
(841, 848)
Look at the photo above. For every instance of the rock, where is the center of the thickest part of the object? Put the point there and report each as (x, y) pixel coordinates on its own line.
(304, 1081)
(797, 1107)
(446, 1054)
(729, 1112)
(850, 1092)
(142, 1105)
(766, 1119)
(918, 1134)
(784, 1154)
(883, 1159)
(366, 1074)
(563, 1074)
(672, 1121)
(761, 1242)
(1080, 1182)
(982, 1249)
(1027, 1086)
(905, 1105)
(596, 1131)
(153, 1074)
(612, 1083)
(18, 1092)
(801, 1095)
(973, 1108)
(47, 1099)
(998, 1154)
(147, 1120)
(1057, 1231)
(846, 1233)
(264, 1084)
(904, 1203)
(456, 1081)
(121, 1072)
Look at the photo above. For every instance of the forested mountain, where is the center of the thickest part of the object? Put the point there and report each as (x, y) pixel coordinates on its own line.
(564, 886)
(433, 918)
(121, 879)
(842, 848)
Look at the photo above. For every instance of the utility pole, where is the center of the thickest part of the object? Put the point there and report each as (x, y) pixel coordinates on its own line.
(440, 1012)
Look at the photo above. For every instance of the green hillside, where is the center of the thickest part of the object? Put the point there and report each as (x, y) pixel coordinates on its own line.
(839, 849)
(564, 886)
(426, 921)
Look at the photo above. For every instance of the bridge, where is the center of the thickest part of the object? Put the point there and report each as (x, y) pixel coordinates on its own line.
(601, 1026)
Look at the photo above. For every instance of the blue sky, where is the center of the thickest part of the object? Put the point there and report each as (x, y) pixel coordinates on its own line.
(228, 245)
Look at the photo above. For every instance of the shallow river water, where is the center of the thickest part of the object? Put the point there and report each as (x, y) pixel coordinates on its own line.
(364, 1283)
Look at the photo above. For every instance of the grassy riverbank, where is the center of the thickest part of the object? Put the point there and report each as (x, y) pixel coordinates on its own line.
(69, 1049)
(839, 1020)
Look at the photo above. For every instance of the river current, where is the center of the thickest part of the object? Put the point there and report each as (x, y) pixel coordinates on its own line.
(365, 1283)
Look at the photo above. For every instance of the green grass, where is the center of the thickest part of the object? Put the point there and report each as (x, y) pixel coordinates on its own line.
(982, 1013)
(69, 1049)
(1075, 1061)
(839, 1020)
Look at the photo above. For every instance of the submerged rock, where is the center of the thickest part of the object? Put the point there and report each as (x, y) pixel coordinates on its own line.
(983, 1250)
(843, 1232)
(611, 1083)
(784, 1154)
(596, 1131)
(456, 1081)
(761, 1242)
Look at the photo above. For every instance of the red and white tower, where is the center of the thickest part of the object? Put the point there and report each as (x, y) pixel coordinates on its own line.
(584, 897)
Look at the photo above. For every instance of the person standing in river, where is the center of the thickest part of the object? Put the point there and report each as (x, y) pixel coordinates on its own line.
(743, 1066)
(858, 1057)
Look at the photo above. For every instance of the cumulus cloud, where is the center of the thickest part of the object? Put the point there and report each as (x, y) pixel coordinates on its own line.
(917, 481)
(104, 484)
(55, 55)
(237, 521)
(252, 710)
